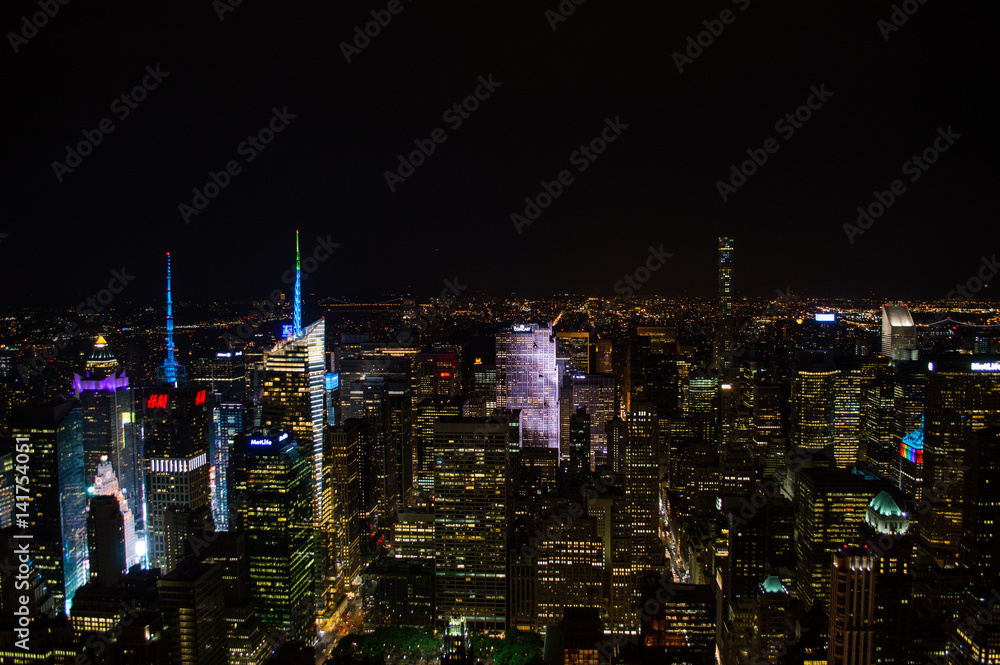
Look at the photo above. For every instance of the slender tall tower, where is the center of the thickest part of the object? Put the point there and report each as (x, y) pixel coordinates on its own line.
(725, 312)
(297, 305)
(171, 372)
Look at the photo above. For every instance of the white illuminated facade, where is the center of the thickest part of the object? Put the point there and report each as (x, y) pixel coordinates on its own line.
(106, 484)
(527, 379)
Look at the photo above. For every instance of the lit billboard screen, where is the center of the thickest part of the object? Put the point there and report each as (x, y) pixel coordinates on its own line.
(826, 317)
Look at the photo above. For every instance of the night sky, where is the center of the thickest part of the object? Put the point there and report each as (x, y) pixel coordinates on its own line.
(654, 185)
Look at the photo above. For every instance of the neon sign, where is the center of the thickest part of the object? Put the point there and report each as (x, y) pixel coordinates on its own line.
(445, 375)
(156, 402)
(826, 317)
(199, 397)
(260, 442)
(522, 328)
(986, 367)
(283, 437)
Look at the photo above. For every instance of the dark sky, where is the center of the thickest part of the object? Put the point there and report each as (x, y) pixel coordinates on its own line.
(655, 185)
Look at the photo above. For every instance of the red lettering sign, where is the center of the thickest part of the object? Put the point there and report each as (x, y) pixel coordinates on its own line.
(156, 402)
(199, 398)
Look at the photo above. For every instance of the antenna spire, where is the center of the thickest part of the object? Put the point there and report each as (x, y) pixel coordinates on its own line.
(297, 304)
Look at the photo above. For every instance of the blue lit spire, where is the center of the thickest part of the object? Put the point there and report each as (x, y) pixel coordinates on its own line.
(297, 304)
(170, 372)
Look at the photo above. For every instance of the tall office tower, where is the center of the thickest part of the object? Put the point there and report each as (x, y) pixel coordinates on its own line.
(571, 571)
(831, 505)
(192, 601)
(603, 364)
(682, 627)
(170, 372)
(909, 464)
(579, 440)
(228, 420)
(428, 412)
(107, 405)
(246, 640)
(852, 608)
(909, 392)
(886, 535)
(484, 383)
(294, 381)
(177, 430)
(701, 403)
(813, 401)
(597, 393)
(878, 447)
(772, 612)
(472, 512)
(899, 335)
(767, 421)
(725, 318)
(980, 542)
(577, 344)
(268, 469)
(527, 380)
(976, 638)
(344, 465)
(963, 395)
(106, 484)
(6, 482)
(437, 375)
(413, 534)
(106, 540)
(642, 487)
(224, 372)
(848, 386)
(58, 515)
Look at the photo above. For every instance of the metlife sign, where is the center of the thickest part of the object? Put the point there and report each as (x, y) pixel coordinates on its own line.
(986, 367)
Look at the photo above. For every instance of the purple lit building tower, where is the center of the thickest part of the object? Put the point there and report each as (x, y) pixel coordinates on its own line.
(110, 428)
(527, 379)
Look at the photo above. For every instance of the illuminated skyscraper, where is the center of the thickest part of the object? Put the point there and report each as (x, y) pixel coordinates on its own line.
(294, 381)
(110, 428)
(852, 608)
(228, 420)
(813, 402)
(170, 372)
(899, 335)
(963, 395)
(344, 467)
(725, 318)
(472, 512)
(831, 506)
(58, 506)
(177, 426)
(275, 513)
(106, 484)
(597, 393)
(527, 379)
(642, 488)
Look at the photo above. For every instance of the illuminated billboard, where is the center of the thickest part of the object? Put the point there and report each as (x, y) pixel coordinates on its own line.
(826, 317)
